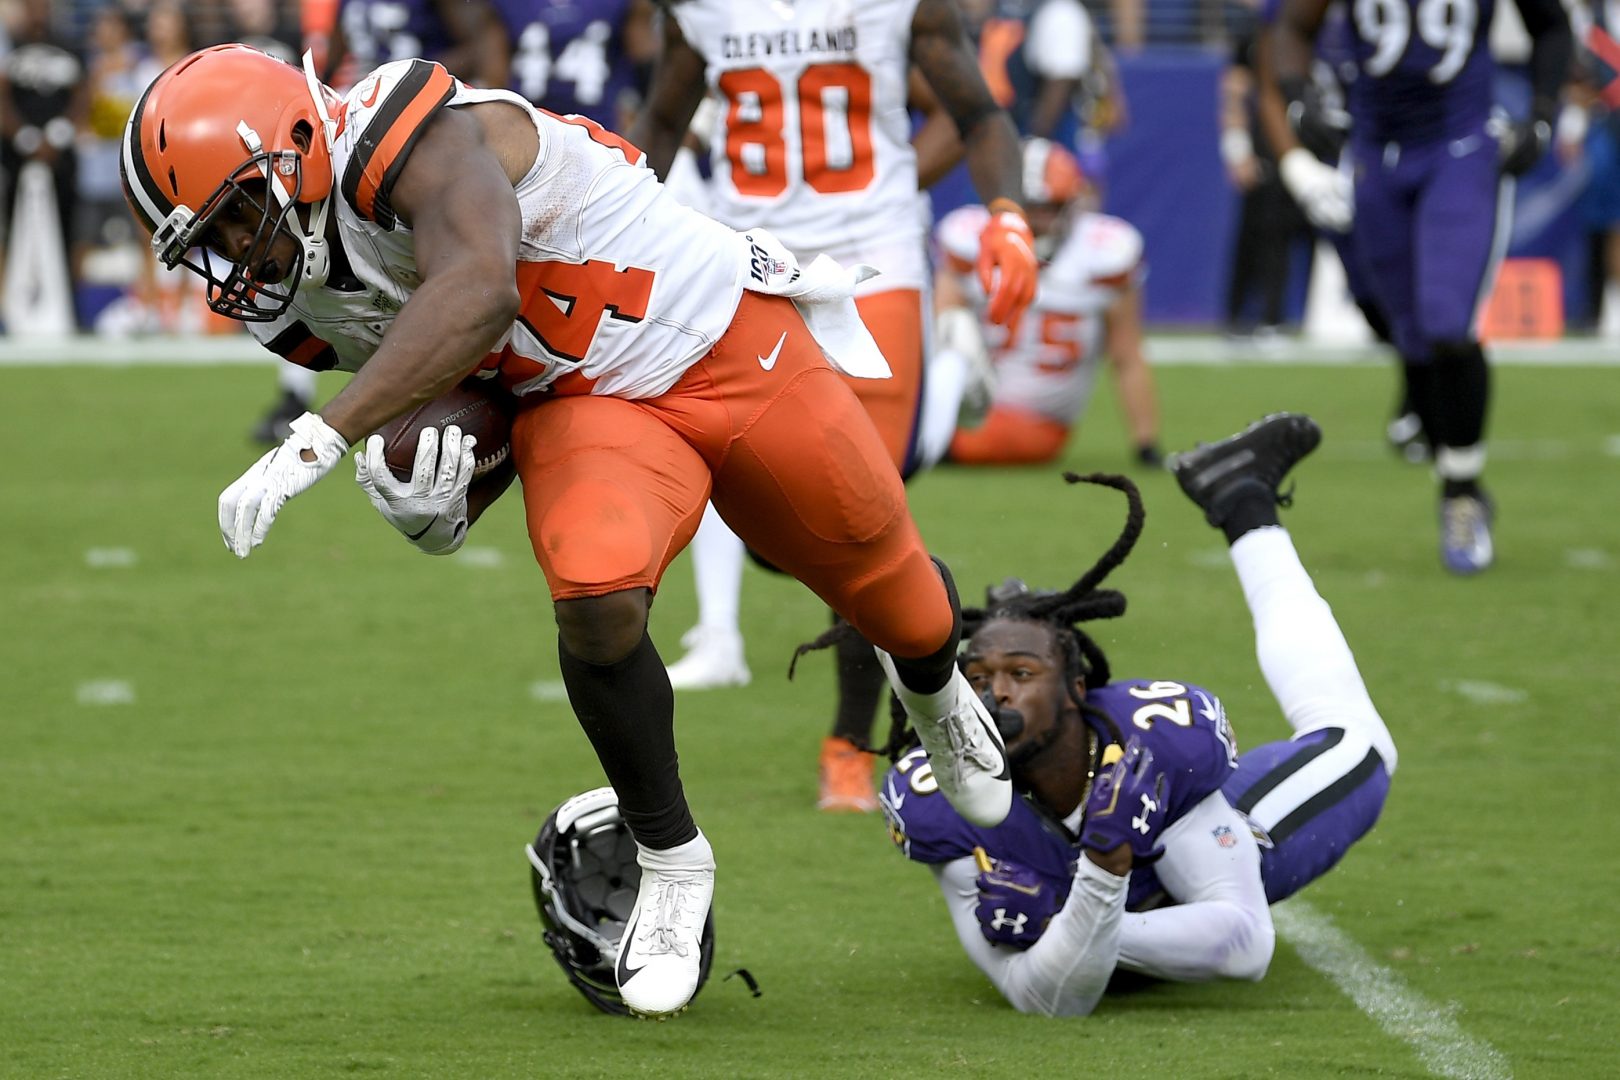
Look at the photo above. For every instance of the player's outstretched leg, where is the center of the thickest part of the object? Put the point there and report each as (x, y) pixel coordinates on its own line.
(1236, 480)
(1302, 652)
(965, 751)
(622, 698)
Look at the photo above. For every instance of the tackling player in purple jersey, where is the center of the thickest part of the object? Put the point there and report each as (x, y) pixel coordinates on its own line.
(578, 56)
(1433, 197)
(1146, 841)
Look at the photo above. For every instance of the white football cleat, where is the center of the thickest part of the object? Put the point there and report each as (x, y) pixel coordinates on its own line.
(965, 751)
(714, 658)
(660, 954)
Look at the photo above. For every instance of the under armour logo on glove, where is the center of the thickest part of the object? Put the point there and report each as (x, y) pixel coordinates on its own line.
(1141, 824)
(1015, 902)
(1126, 806)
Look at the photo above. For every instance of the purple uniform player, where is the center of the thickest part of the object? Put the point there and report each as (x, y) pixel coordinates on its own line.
(1145, 840)
(371, 33)
(1432, 205)
(571, 56)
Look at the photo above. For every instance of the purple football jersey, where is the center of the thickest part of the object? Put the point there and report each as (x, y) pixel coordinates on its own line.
(380, 31)
(568, 55)
(1425, 69)
(1184, 725)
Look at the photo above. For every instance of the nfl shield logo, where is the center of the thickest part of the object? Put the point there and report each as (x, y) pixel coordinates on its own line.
(1224, 836)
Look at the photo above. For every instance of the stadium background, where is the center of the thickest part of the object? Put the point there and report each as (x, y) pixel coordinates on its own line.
(1162, 171)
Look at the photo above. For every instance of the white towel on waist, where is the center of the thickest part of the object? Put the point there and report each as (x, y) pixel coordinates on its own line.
(824, 293)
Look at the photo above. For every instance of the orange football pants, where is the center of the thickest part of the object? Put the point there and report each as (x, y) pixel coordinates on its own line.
(1009, 436)
(613, 488)
(894, 319)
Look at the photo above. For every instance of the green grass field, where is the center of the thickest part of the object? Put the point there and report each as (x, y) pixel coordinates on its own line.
(266, 818)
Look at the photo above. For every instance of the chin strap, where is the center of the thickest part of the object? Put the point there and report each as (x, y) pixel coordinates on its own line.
(317, 252)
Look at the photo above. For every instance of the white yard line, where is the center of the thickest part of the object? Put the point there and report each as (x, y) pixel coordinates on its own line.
(1481, 692)
(105, 692)
(1440, 1043)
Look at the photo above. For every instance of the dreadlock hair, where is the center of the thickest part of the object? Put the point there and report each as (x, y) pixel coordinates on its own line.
(1062, 612)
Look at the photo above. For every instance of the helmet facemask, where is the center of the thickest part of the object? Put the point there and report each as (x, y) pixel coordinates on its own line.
(269, 183)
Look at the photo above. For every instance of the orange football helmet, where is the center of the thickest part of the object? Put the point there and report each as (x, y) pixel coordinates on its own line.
(1051, 174)
(224, 124)
(1053, 181)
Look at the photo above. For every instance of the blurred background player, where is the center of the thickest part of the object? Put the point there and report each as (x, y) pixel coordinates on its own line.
(1147, 842)
(464, 35)
(578, 56)
(1271, 229)
(1433, 201)
(1046, 62)
(1306, 160)
(814, 144)
(1588, 139)
(1089, 302)
(43, 101)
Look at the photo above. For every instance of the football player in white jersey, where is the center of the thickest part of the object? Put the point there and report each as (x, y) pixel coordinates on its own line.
(415, 231)
(1089, 302)
(814, 143)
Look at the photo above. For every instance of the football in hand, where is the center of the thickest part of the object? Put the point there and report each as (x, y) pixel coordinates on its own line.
(478, 407)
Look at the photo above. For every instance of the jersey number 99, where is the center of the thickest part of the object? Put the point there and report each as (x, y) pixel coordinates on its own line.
(1446, 26)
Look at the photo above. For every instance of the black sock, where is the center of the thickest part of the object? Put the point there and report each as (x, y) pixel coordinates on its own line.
(929, 674)
(1248, 512)
(1462, 391)
(1420, 395)
(861, 687)
(1451, 489)
(627, 710)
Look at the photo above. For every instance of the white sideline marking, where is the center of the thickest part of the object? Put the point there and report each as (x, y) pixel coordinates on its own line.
(1611, 446)
(1443, 1047)
(1209, 559)
(546, 690)
(106, 692)
(104, 558)
(1481, 692)
(485, 558)
(1588, 559)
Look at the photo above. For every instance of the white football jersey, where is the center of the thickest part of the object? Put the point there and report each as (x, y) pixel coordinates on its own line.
(623, 288)
(1051, 365)
(814, 140)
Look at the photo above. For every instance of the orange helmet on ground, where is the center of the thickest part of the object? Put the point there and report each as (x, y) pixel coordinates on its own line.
(223, 124)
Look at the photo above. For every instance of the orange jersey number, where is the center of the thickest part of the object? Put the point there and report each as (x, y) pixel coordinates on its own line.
(835, 129)
(1060, 334)
(563, 303)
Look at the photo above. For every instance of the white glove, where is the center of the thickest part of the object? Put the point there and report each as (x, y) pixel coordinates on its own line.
(1323, 192)
(247, 507)
(430, 510)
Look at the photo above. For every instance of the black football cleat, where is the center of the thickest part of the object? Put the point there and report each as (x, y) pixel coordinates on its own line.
(1254, 461)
